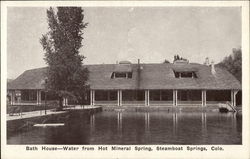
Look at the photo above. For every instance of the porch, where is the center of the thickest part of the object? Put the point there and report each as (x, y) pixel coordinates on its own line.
(162, 97)
(132, 97)
(30, 97)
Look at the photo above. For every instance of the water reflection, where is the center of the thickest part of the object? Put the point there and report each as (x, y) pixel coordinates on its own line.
(175, 123)
(119, 122)
(234, 122)
(92, 123)
(204, 123)
(138, 128)
(147, 122)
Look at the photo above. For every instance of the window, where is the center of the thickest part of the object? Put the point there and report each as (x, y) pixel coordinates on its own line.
(133, 95)
(121, 75)
(113, 95)
(28, 95)
(161, 95)
(130, 75)
(167, 95)
(187, 74)
(101, 95)
(189, 95)
(154, 95)
(190, 74)
(177, 74)
(140, 95)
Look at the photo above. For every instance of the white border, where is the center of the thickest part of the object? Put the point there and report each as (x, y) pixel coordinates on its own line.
(231, 151)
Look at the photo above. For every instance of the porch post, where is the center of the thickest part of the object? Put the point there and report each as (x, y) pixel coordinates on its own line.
(91, 97)
(204, 97)
(66, 101)
(235, 93)
(12, 102)
(148, 98)
(235, 98)
(63, 101)
(38, 97)
(175, 98)
(232, 97)
(118, 98)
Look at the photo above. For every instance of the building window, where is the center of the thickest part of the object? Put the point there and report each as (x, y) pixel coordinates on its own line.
(161, 95)
(218, 95)
(103, 95)
(190, 74)
(189, 95)
(129, 74)
(121, 75)
(113, 95)
(154, 95)
(133, 95)
(166, 95)
(28, 95)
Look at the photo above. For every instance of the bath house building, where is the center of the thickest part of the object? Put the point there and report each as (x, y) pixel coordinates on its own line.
(125, 84)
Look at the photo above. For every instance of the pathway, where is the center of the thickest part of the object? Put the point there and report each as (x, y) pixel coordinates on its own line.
(32, 114)
(39, 113)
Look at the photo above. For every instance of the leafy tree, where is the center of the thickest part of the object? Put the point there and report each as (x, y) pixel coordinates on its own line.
(166, 61)
(233, 63)
(66, 75)
(177, 57)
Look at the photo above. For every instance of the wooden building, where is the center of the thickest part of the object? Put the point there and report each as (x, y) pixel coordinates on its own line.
(125, 84)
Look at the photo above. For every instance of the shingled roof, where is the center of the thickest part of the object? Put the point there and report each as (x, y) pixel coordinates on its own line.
(152, 76)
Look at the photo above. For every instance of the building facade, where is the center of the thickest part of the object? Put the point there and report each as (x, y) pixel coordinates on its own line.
(125, 84)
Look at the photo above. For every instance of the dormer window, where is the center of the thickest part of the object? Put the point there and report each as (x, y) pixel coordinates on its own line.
(190, 74)
(122, 70)
(121, 75)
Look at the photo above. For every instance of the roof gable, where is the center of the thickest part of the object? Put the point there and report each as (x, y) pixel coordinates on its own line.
(30, 79)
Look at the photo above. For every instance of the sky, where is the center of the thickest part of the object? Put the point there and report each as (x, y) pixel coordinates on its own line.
(151, 34)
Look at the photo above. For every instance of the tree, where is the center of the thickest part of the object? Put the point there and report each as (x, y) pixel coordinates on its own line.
(66, 75)
(233, 63)
(177, 57)
(166, 61)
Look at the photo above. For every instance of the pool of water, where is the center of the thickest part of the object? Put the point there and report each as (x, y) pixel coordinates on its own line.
(136, 128)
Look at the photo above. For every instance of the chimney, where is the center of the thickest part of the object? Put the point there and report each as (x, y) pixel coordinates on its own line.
(212, 67)
(206, 61)
(139, 65)
(138, 74)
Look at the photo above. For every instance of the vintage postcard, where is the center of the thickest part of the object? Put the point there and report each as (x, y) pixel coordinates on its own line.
(125, 79)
